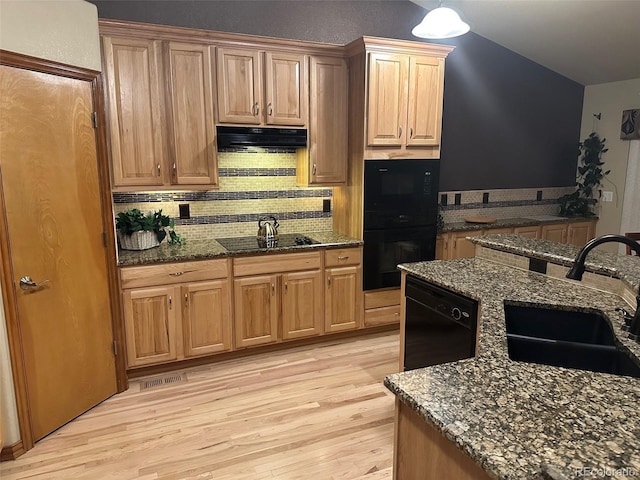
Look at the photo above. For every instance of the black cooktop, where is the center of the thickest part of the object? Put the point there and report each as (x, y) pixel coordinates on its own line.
(238, 244)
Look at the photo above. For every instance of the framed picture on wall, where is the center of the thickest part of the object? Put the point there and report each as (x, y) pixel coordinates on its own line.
(630, 128)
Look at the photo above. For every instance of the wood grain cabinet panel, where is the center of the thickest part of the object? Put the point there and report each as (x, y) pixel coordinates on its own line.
(556, 232)
(135, 108)
(531, 232)
(325, 160)
(302, 308)
(206, 318)
(343, 298)
(191, 114)
(262, 88)
(150, 325)
(424, 107)
(579, 233)
(256, 310)
(460, 246)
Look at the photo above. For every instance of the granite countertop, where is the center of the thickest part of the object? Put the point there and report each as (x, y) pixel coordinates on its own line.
(624, 267)
(510, 222)
(208, 249)
(520, 420)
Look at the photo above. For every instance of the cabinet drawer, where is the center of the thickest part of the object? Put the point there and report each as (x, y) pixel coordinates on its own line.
(286, 262)
(382, 316)
(149, 275)
(382, 298)
(342, 256)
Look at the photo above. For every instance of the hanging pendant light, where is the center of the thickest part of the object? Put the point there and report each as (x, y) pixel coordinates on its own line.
(441, 22)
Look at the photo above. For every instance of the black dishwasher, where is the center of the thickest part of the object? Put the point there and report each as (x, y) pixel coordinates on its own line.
(440, 325)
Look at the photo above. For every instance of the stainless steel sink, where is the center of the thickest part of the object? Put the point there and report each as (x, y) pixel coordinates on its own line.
(563, 338)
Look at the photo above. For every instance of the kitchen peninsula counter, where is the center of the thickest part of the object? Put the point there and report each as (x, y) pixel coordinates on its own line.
(208, 249)
(521, 420)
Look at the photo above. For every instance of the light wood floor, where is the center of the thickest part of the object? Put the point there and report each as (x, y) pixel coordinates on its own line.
(317, 412)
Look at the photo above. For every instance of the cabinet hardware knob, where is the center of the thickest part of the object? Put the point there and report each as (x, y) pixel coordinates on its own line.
(399, 131)
(257, 109)
(158, 168)
(286, 287)
(174, 166)
(411, 132)
(314, 168)
(176, 274)
(273, 289)
(270, 109)
(186, 299)
(170, 301)
(329, 281)
(343, 257)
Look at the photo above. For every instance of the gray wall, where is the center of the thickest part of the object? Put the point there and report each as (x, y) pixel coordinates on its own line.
(508, 122)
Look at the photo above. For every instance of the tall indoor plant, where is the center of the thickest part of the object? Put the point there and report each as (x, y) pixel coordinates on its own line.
(583, 202)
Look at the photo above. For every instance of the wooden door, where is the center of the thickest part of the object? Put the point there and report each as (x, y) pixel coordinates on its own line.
(579, 233)
(191, 115)
(426, 82)
(387, 103)
(343, 303)
(302, 306)
(239, 86)
(136, 118)
(150, 325)
(556, 232)
(53, 212)
(206, 317)
(256, 310)
(328, 129)
(287, 91)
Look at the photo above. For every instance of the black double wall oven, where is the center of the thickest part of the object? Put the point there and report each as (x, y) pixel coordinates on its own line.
(400, 217)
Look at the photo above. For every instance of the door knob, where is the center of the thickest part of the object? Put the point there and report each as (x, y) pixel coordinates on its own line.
(27, 283)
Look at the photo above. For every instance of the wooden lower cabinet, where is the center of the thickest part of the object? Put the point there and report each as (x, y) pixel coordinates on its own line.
(206, 318)
(460, 247)
(256, 310)
(579, 233)
(382, 307)
(150, 325)
(302, 308)
(531, 232)
(342, 305)
(556, 232)
(165, 323)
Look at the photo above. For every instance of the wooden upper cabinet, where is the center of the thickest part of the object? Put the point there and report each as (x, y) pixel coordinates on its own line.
(239, 86)
(387, 105)
(405, 100)
(262, 88)
(424, 108)
(287, 92)
(191, 114)
(325, 161)
(136, 120)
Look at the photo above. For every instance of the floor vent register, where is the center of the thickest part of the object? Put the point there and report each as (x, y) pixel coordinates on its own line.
(162, 381)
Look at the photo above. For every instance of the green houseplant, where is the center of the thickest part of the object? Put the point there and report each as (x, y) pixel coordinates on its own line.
(137, 231)
(583, 201)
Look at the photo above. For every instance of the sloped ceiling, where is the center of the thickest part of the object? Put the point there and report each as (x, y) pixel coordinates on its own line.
(588, 41)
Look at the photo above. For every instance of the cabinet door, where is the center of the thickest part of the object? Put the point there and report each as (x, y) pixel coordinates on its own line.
(328, 127)
(426, 82)
(579, 233)
(556, 232)
(150, 325)
(136, 120)
(256, 310)
(206, 317)
(191, 114)
(442, 247)
(239, 86)
(343, 299)
(301, 304)
(287, 94)
(460, 246)
(387, 102)
(531, 232)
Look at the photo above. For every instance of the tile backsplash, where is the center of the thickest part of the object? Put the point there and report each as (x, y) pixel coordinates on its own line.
(254, 183)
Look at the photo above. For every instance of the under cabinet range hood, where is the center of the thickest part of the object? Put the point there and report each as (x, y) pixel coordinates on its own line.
(261, 137)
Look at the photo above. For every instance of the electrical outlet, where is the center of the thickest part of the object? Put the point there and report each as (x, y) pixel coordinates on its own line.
(326, 205)
(607, 196)
(184, 210)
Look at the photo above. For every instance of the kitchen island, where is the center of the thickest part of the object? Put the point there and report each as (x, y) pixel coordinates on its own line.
(516, 419)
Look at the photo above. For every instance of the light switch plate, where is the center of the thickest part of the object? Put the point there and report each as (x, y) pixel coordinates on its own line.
(607, 196)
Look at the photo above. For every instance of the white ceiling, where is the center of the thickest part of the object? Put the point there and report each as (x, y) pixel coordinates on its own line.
(589, 41)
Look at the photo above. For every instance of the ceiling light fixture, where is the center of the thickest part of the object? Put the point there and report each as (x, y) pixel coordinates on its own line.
(441, 22)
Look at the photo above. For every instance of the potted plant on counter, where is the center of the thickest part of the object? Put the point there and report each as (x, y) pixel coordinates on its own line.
(583, 201)
(137, 231)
